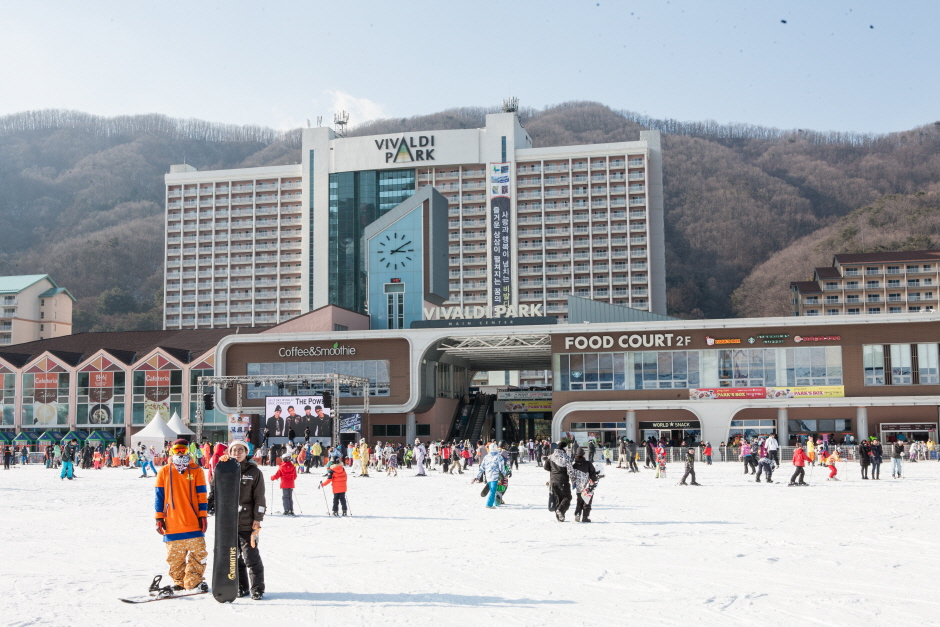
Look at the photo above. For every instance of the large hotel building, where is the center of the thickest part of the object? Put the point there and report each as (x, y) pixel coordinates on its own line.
(259, 246)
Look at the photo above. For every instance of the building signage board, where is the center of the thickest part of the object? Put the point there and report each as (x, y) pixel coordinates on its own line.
(534, 395)
(779, 393)
(522, 405)
(482, 322)
(500, 221)
(671, 424)
(350, 423)
(283, 413)
(406, 150)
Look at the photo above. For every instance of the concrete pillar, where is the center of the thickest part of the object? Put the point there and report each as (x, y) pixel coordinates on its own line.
(499, 426)
(631, 425)
(783, 426)
(411, 429)
(861, 423)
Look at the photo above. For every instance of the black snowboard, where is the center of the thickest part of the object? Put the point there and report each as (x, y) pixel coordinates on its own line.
(227, 483)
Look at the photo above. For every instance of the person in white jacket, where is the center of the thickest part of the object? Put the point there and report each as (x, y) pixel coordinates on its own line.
(773, 449)
(420, 453)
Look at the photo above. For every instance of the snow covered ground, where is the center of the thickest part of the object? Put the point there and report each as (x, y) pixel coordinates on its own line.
(427, 551)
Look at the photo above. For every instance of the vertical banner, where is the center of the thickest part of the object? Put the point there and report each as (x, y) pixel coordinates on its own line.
(45, 407)
(101, 392)
(500, 198)
(157, 393)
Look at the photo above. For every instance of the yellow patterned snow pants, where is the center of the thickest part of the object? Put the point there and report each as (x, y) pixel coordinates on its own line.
(187, 572)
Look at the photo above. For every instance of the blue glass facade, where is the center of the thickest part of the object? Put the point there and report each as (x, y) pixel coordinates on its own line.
(356, 200)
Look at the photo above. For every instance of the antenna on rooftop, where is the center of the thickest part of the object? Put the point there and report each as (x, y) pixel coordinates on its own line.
(340, 120)
(510, 105)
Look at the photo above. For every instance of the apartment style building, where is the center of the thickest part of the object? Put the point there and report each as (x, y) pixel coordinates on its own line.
(870, 283)
(33, 307)
(259, 246)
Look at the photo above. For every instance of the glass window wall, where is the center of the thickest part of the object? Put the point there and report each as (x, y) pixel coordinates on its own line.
(376, 370)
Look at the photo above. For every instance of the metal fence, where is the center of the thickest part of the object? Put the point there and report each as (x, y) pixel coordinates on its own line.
(732, 454)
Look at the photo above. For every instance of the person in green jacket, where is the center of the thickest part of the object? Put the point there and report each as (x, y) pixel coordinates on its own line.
(409, 455)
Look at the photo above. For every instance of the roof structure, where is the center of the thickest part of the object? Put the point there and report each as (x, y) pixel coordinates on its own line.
(900, 257)
(828, 273)
(126, 346)
(16, 284)
(806, 287)
(55, 291)
(587, 310)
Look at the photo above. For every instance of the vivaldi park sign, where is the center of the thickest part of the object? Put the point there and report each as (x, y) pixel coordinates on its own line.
(474, 313)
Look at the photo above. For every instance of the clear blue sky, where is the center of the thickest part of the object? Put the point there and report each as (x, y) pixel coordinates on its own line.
(279, 63)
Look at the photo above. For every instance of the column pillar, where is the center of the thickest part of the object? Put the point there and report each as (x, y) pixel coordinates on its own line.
(499, 426)
(783, 426)
(631, 425)
(861, 423)
(411, 429)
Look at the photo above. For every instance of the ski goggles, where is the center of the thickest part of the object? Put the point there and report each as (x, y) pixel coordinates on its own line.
(179, 449)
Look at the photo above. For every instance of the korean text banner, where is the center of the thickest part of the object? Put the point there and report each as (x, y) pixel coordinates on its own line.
(780, 393)
(500, 194)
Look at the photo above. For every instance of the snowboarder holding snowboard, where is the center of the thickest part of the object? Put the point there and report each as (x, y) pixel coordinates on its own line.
(559, 465)
(584, 479)
(251, 510)
(493, 469)
(181, 510)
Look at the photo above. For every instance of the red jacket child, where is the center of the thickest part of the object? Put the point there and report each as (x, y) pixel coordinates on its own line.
(286, 473)
(800, 457)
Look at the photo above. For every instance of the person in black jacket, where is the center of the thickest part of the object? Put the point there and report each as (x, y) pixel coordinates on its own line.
(251, 509)
(582, 510)
(864, 457)
(558, 464)
(876, 455)
(690, 468)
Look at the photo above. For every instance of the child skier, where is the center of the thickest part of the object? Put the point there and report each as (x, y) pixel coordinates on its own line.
(391, 465)
(336, 477)
(831, 463)
(799, 460)
(287, 474)
(689, 467)
(765, 465)
(660, 462)
(608, 455)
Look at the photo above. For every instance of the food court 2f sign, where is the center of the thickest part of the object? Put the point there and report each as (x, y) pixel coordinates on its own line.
(628, 340)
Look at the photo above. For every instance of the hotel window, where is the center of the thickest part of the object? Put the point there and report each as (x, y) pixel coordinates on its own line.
(874, 310)
(852, 298)
(901, 364)
(812, 300)
(852, 311)
(894, 282)
(872, 284)
(851, 285)
(895, 310)
(914, 309)
(812, 312)
(927, 267)
(851, 272)
(913, 268)
(894, 269)
(832, 299)
(832, 285)
(927, 364)
(872, 270)
(873, 361)
(913, 282)
(873, 298)
(832, 312)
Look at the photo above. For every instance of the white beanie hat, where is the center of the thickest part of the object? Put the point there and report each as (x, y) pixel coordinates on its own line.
(234, 443)
(492, 447)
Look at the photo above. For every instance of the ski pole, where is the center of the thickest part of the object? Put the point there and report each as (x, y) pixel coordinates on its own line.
(325, 504)
(348, 506)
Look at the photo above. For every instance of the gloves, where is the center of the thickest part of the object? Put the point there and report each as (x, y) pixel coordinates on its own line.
(203, 524)
(161, 528)
(224, 458)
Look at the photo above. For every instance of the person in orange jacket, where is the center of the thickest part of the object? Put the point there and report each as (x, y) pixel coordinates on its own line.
(287, 474)
(181, 509)
(799, 460)
(336, 476)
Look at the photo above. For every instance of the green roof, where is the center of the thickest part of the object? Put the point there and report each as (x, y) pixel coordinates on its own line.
(16, 284)
(55, 291)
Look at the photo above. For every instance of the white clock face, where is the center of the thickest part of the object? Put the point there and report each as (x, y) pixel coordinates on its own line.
(395, 251)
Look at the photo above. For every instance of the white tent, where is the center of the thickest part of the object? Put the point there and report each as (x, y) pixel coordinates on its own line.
(154, 434)
(175, 424)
